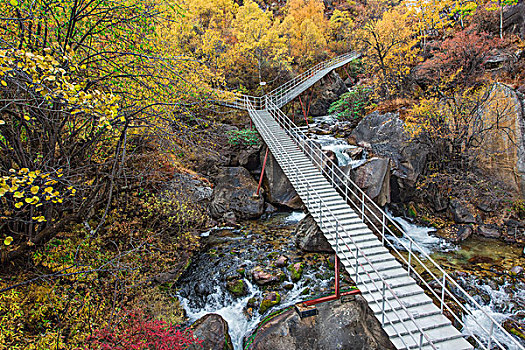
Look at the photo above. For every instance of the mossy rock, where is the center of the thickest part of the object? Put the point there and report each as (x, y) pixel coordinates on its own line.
(296, 271)
(236, 288)
(412, 210)
(270, 300)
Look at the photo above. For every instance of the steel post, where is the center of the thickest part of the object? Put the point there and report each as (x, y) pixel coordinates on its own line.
(443, 292)
(262, 172)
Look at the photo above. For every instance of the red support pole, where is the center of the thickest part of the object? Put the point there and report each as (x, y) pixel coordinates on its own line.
(347, 73)
(262, 172)
(337, 293)
(304, 112)
(309, 102)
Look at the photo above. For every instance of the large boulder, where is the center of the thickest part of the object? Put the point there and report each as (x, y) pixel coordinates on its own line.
(514, 19)
(349, 326)
(213, 330)
(309, 238)
(386, 136)
(502, 152)
(332, 86)
(249, 157)
(234, 193)
(373, 177)
(278, 188)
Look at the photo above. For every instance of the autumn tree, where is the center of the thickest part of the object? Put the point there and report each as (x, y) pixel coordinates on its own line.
(341, 24)
(456, 125)
(258, 40)
(389, 45)
(305, 29)
(499, 5)
(458, 61)
(75, 91)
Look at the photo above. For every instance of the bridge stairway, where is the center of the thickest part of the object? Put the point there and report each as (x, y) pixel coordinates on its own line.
(293, 92)
(411, 305)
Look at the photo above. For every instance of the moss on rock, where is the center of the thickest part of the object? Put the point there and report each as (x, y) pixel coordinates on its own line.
(270, 300)
(296, 271)
(236, 288)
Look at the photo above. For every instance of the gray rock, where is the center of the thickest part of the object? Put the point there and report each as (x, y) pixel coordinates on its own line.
(213, 330)
(516, 270)
(488, 231)
(355, 153)
(234, 192)
(385, 134)
(461, 212)
(349, 326)
(279, 190)
(309, 238)
(269, 209)
(456, 233)
(262, 277)
(502, 151)
(281, 261)
(514, 19)
(249, 158)
(373, 177)
(332, 86)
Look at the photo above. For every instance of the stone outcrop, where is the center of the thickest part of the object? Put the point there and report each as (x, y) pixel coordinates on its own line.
(213, 330)
(502, 154)
(349, 326)
(279, 190)
(309, 238)
(332, 86)
(386, 136)
(514, 19)
(373, 177)
(234, 193)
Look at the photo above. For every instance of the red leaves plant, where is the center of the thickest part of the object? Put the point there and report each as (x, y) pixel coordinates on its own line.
(137, 332)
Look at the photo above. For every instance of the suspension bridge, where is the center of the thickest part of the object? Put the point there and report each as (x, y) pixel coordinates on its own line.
(419, 305)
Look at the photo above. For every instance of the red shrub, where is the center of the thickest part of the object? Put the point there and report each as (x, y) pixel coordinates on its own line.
(137, 332)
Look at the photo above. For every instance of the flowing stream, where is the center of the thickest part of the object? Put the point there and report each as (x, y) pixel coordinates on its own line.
(480, 265)
(235, 252)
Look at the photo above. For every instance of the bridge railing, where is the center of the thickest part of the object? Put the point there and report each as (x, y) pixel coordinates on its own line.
(449, 295)
(388, 301)
(279, 96)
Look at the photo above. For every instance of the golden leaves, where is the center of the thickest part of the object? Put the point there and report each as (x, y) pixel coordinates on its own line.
(8, 240)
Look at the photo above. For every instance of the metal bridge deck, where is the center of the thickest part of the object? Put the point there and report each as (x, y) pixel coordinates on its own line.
(406, 311)
(400, 327)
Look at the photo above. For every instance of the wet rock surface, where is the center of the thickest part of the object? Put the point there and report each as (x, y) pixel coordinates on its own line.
(234, 193)
(309, 238)
(279, 190)
(213, 330)
(349, 326)
(373, 177)
(386, 135)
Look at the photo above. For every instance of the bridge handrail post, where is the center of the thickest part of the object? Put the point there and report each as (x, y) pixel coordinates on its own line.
(363, 206)
(409, 258)
(383, 224)
(383, 306)
(356, 264)
(443, 287)
(491, 333)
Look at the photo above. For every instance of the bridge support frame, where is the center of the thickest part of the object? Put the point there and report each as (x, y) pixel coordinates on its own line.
(262, 172)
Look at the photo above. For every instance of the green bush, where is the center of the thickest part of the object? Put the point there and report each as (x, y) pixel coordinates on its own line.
(245, 137)
(352, 104)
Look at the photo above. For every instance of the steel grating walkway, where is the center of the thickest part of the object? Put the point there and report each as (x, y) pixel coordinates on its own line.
(359, 231)
(411, 299)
